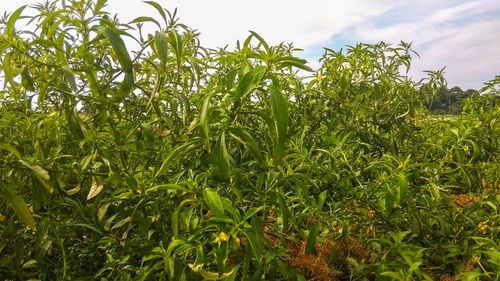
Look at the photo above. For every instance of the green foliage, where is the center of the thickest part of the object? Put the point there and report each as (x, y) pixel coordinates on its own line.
(171, 161)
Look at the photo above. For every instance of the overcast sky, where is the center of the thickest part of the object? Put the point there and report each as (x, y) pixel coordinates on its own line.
(462, 35)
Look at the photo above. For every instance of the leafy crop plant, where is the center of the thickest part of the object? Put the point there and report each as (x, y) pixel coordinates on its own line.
(171, 161)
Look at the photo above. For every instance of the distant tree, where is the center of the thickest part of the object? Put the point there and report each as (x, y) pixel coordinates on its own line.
(449, 101)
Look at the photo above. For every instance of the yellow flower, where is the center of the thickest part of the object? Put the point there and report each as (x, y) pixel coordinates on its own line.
(319, 78)
(326, 107)
(223, 237)
(356, 119)
(2, 217)
(482, 226)
(237, 241)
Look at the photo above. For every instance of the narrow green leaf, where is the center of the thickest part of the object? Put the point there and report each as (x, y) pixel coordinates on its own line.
(75, 123)
(221, 163)
(221, 255)
(261, 40)
(250, 213)
(70, 77)
(123, 58)
(389, 200)
(280, 118)
(12, 20)
(174, 154)
(145, 19)
(125, 86)
(99, 5)
(285, 212)
(27, 80)
(7, 69)
(118, 47)
(213, 201)
(159, 8)
(296, 62)
(280, 114)
(249, 82)
(161, 46)
(121, 223)
(11, 149)
(472, 276)
(392, 274)
(321, 200)
(207, 275)
(311, 239)
(249, 142)
(403, 188)
(176, 42)
(204, 122)
(254, 244)
(37, 170)
(17, 203)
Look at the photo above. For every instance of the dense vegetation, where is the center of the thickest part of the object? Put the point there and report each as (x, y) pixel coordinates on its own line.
(177, 162)
(448, 101)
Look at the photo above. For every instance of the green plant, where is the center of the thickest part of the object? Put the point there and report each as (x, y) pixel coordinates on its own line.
(171, 161)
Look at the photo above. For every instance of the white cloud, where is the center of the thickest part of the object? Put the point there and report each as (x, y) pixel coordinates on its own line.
(458, 36)
(222, 22)
(450, 33)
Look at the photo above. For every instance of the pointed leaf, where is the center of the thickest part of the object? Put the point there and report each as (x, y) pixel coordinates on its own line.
(37, 170)
(123, 58)
(213, 201)
(175, 153)
(296, 62)
(248, 141)
(27, 80)
(176, 42)
(311, 239)
(280, 114)
(145, 19)
(204, 122)
(17, 203)
(250, 213)
(221, 159)
(285, 212)
(12, 20)
(249, 82)
(159, 8)
(161, 46)
(321, 200)
(261, 40)
(95, 189)
(118, 47)
(254, 244)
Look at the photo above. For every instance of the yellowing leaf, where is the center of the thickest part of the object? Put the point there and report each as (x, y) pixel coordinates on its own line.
(17, 203)
(95, 189)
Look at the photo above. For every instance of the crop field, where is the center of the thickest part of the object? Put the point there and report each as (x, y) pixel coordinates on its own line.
(171, 161)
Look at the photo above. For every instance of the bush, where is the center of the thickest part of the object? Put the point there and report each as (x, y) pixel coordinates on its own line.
(178, 162)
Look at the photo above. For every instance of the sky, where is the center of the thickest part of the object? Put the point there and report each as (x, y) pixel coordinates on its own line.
(463, 36)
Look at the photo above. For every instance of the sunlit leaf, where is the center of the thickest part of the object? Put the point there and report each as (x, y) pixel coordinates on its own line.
(249, 82)
(12, 20)
(95, 189)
